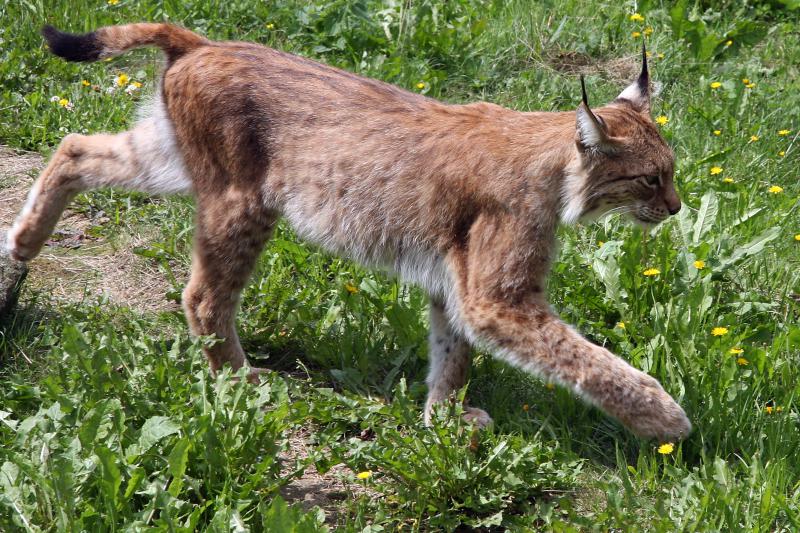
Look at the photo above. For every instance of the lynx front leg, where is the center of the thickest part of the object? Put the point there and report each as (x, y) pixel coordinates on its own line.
(449, 354)
(533, 339)
(501, 304)
(232, 226)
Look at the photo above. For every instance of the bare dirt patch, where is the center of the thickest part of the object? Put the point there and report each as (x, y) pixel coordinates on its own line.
(312, 489)
(73, 267)
(618, 69)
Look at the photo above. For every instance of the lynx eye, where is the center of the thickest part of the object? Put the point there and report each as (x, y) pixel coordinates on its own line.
(652, 180)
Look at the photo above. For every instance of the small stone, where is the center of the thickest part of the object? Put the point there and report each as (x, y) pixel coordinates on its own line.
(12, 274)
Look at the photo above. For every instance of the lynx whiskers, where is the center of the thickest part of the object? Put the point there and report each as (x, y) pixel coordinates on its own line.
(463, 200)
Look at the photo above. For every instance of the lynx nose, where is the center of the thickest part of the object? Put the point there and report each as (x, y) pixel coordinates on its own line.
(674, 208)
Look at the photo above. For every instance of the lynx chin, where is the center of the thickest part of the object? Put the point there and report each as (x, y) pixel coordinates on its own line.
(462, 200)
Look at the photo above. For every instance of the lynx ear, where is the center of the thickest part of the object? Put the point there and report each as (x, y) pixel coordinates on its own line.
(638, 92)
(591, 131)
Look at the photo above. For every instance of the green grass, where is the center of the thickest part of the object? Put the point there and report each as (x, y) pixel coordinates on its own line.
(109, 420)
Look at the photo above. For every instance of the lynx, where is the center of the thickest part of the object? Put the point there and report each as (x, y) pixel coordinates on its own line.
(462, 200)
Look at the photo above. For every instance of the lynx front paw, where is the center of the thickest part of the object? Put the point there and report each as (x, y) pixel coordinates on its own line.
(658, 416)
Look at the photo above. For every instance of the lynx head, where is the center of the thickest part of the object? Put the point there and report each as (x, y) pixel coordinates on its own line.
(623, 164)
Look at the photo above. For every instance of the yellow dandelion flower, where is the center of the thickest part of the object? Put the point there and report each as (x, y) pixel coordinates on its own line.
(525, 407)
(719, 331)
(85, 83)
(715, 85)
(741, 361)
(600, 244)
(750, 85)
(137, 84)
(699, 264)
(621, 325)
(122, 80)
(549, 386)
(716, 170)
(270, 26)
(666, 449)
(649, 53)
(112, 2)
(735, 351)
(784, 132)
(63, 102)
(420, 85)
(717, 132)
(797, 237)
(745, 80)
(651, 272)
(660, 56)
(661, 119)
(775, 189)
(636, 17)
(636, 34)
(648, 31)
(366, 474)
(781, 153)
(753, 138)
(728, 42)
(778, 409)
(727, 180)
(352, 289)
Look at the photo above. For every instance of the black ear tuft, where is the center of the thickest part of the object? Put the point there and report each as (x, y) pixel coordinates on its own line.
(644, 77)
(583, 93)
(86, 47)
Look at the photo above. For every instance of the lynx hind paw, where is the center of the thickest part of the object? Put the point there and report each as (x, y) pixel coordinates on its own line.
(471, 415)
(478, 417)
(253, 375)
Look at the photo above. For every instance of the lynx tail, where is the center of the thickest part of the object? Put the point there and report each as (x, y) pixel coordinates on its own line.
(114, 40)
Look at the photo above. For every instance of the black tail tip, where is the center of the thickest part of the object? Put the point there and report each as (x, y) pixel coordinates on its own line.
(86, 47)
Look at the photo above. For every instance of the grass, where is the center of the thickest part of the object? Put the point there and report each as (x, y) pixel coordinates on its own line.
(115, 424)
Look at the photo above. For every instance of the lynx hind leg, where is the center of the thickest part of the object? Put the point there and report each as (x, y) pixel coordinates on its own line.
(450, 359)
(232, 227)
(142, 159)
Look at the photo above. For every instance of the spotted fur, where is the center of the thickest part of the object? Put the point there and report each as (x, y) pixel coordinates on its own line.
(462, 200)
